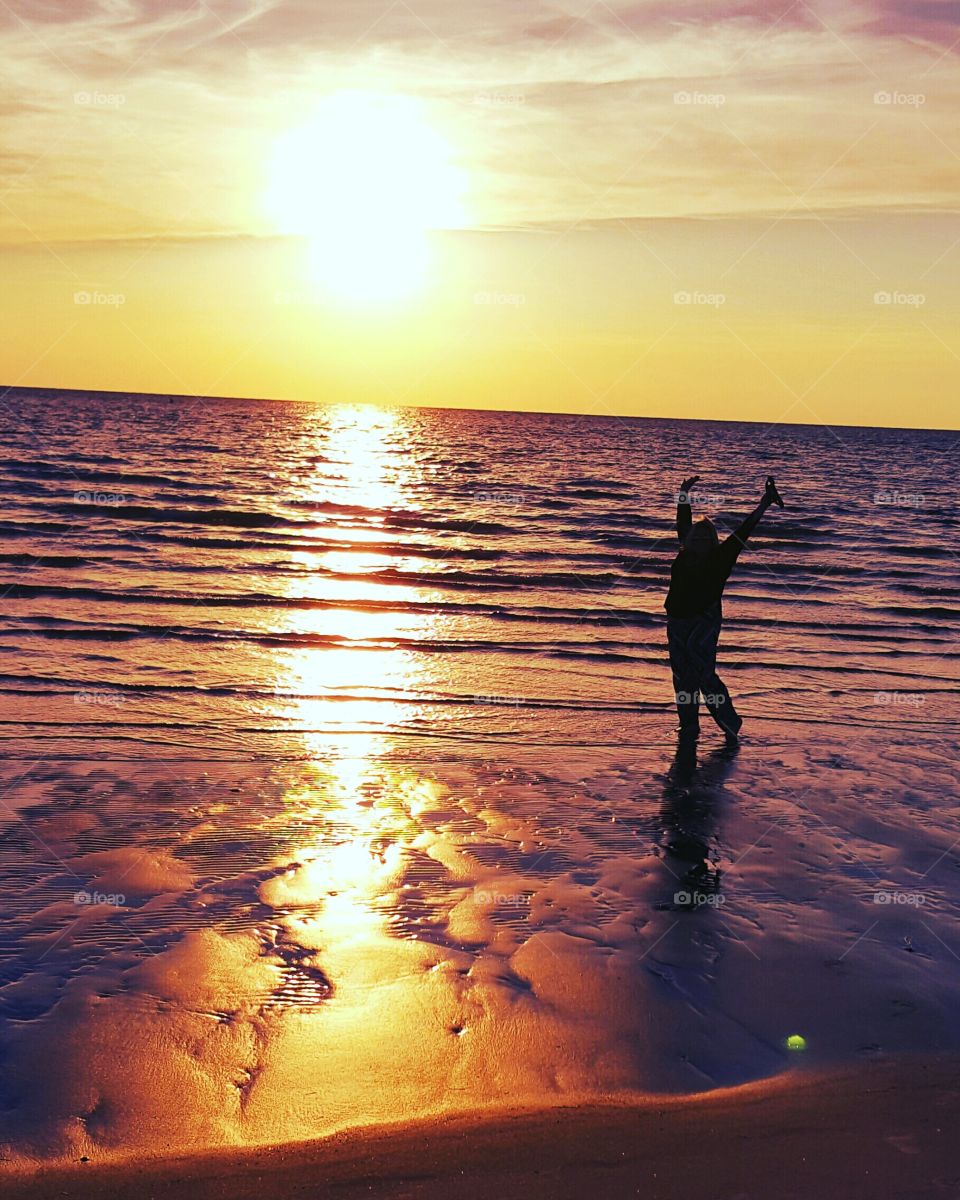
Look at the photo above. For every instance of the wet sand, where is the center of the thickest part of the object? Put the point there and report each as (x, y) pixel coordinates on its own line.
(233, 957)
(888, 1130)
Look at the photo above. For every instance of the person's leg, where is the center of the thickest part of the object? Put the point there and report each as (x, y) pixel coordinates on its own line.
(685, 674)
(714, 690)
(721, 706)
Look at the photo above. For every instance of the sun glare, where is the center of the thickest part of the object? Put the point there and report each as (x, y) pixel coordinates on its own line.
(365, 180)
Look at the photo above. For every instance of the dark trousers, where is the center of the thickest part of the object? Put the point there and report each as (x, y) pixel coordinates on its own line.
(693, 661)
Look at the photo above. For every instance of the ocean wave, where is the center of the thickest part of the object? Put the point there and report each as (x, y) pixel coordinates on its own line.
(74, 471)
(530, 549)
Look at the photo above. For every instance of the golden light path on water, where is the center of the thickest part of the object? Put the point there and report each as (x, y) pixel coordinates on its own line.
(360, 812)
(350, 888)
(363, 468)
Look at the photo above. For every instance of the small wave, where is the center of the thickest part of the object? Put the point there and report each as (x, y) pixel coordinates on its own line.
(32, 529)
(46, 560)
(594, 481)
(187, 516)
(74, 471)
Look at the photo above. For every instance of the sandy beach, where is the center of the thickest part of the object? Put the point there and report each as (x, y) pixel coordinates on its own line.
(296, 955)
(880, 1133)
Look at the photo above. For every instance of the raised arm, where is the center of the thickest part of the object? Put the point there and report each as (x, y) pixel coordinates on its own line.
(732, 545)
(684, 515)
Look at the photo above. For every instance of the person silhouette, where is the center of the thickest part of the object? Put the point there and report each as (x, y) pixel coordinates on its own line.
(694, 612)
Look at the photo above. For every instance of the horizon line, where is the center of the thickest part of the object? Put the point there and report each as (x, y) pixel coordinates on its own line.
(6, 390)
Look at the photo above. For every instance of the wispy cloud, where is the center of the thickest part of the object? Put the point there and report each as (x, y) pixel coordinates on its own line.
(157, 117)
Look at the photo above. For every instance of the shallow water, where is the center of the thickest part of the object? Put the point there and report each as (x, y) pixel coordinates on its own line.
(211, 575)
(340, 787)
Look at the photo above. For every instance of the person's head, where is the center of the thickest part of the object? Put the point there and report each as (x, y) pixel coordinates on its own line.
(702, 540)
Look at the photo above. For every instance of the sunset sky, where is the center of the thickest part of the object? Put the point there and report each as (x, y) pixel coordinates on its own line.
(731, 209)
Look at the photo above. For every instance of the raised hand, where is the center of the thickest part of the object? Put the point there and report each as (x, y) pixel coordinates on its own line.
(771, 493)
(688, 484)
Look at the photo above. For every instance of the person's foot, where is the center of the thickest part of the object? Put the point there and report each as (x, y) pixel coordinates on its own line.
(772, 491)
(732, 732)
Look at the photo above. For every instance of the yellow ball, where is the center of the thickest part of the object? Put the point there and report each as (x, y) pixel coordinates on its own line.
(796, 1042)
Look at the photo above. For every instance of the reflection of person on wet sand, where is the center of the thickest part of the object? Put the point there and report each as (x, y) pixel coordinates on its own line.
(694, 615)
(688, 818)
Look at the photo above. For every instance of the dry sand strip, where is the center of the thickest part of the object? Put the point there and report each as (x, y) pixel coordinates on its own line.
(881, 1131)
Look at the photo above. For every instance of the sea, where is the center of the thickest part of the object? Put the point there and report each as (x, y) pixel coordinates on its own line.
(186, 575)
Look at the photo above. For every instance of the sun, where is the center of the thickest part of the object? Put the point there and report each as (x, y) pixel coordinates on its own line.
(365, 180)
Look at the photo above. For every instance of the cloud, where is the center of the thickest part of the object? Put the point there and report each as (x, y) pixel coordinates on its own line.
(933, 22)
(184, 100)
(906, 15)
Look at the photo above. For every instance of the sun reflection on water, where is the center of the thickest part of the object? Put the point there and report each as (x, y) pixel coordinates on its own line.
(359, 683)
(349, 698)
(365, 463)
